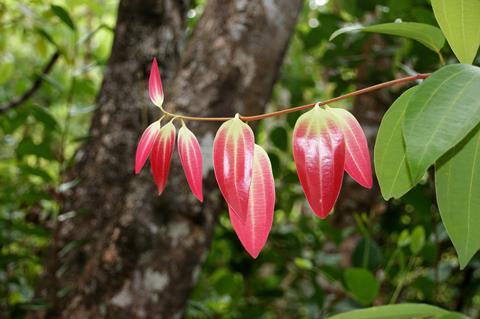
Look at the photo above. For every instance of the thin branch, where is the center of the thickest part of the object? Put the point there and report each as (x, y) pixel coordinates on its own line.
(307, 106)
(34, 88)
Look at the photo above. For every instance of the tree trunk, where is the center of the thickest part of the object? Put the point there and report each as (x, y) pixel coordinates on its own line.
(128, 253)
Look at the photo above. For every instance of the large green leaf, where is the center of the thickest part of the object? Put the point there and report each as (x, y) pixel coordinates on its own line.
(426, 34)
(459, 21)
(401, 311)
(444, 109)
(389, 155)
(457, 181)
(362, 284)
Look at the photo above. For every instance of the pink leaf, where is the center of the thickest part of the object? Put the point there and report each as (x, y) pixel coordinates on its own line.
(145, 145)
(191, 159)
(253, 232)
(319, 154)
(155, 88)
(357, 156)
(232, 162)
(161, 156)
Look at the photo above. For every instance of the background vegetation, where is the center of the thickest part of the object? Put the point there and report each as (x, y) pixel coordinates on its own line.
(371, 254)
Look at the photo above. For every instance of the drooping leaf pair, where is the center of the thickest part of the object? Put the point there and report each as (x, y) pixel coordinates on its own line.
(244, 176)
(325, 143)
(158, 143)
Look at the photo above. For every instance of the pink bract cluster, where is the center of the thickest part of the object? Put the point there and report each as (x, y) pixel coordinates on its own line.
(326, 142)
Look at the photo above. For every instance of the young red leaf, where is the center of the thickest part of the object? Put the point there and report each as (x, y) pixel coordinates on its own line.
(191, 159)
(161, 156)
(319, 154)
(357, 156)
(145, 145)
(155, 88)
(232, 162)
(253, 232)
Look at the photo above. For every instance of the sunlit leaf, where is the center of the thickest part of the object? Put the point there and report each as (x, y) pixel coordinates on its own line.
(426, 34)
(459, 21)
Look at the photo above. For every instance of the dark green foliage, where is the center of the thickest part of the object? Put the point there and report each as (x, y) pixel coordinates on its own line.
(396, 253)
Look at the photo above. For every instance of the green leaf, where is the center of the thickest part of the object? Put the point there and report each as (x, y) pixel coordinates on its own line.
(367, 254)
(404, 238)
(362, 284)
(444, 109)
(303, 263)
(401, 311)
(417, 240)
(279, 138)
(459, 21)
(7, 67)
(44, 116)
(35, 171)
(227, 283)
(426, 34)
(28, 147)
(46, 36)
(63, 15)
(453, 315)
(457, 181)
(328, 23)
(390, 155)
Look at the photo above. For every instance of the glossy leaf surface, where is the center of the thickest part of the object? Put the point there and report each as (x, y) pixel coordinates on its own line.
(400, 311)
(426, 34)
(390, 157)
(357, 155)
(233, 149)
(443, 110)
(191, 158)
(459, 21)
(145, 145)
(253, 232)
(161, 156)
(155, 88)
(319, 154)
(457, 182)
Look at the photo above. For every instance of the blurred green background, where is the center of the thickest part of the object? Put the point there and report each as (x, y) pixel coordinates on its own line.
(392, 252)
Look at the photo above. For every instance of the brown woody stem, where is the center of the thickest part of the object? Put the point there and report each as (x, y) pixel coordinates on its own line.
(307, 106)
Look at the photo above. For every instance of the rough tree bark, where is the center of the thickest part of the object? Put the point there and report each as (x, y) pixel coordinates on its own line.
(137, 255)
